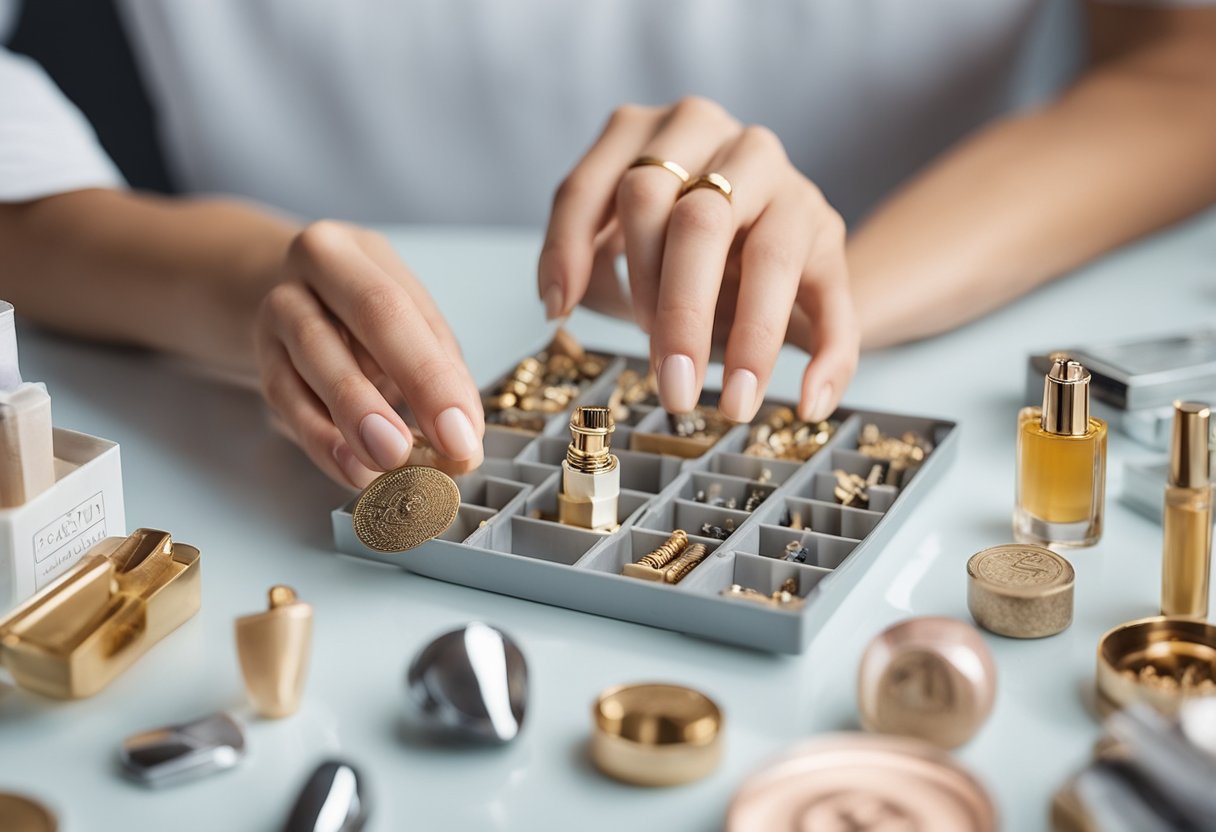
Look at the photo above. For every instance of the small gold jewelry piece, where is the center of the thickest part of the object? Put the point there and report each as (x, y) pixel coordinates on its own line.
(745, 593)
(83, 629)
(784, 598)
(648, 566)
(404, 508)
(692, 434)
(852, 490)
(632, 389)
(902, 452)
(685, 563)
(665, 164)
(273, 650)
(713, 181)
(545, 383)
(656, 735)
(782, 436)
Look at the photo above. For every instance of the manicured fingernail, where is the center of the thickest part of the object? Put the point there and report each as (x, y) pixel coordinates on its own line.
(456, 437)
(678, 384)
(821, 406)
(357, 474)
(553, 301)
(386, 444)
(738, 402)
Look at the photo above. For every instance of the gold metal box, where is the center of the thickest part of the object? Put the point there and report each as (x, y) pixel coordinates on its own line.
(75, 636)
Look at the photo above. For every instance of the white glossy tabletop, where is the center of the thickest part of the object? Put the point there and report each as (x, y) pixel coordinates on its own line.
(199, 461)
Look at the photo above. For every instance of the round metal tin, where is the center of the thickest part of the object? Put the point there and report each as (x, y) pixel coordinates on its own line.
(1161, 660)
(19, 813)
(1020, 590)
(656, 734)
(928, 677)
(862, 782)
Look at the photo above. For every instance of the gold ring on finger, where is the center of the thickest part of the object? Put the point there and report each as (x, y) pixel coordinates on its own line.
(713, 181)
(665, 164)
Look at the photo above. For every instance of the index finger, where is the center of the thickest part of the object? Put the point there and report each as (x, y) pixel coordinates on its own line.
(380, 313)
(583, 204)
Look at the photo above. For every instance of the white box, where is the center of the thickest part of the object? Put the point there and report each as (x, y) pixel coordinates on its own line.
(45, 537)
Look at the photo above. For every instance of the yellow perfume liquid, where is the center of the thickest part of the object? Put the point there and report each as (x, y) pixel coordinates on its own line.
(1188, 540)
(1061, 464)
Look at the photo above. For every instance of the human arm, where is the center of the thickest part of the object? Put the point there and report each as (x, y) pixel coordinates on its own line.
(1129, 148)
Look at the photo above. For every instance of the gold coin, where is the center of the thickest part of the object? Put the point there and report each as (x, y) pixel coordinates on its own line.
(404, 508)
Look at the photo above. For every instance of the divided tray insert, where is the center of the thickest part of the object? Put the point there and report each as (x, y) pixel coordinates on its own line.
(766, 521)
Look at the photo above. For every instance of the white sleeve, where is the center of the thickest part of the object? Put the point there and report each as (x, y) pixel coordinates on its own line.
(46, 145)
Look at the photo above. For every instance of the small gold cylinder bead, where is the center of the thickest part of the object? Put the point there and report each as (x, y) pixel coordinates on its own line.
(685, 563)
(667, 551)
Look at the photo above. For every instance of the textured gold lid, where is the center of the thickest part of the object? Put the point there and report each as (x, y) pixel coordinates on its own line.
(1190, 461)
(861, 781)
(656, 734)
(1161, 660)
(1066, 398)
(19, 813)
(1020, 590)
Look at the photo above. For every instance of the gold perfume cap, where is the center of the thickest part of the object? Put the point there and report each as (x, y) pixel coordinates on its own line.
(1190, 462)
(1066, 398)
(590, 449)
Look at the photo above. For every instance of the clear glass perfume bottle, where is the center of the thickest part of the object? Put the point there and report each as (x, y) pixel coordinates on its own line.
(1061, 467)
(1187, 543)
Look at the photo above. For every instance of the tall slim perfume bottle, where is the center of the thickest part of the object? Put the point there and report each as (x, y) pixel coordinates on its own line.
(1061, 476)
(1187, 551)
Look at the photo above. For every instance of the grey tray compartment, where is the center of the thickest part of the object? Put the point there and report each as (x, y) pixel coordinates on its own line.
(826, 551)
(752, 467)
(824, 516)
(506, 443)
(723, 486)
(767, 575)
(497, 545)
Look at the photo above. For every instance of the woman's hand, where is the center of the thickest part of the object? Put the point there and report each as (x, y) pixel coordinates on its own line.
(765, 265)
(347, 333)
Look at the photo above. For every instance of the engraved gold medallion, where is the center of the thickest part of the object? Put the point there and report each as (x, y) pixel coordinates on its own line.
(404, 508)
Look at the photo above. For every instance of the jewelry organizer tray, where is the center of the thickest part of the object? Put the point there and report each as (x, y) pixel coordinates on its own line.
(497, 543)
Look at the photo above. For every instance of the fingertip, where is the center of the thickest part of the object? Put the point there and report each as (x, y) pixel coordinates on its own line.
(386, 444)
(818, 401)
(738, 401)
(456, 438)
(554, 299)
(358, 476)
(677, 384)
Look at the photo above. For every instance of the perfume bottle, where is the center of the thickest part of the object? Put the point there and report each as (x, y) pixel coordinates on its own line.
(591, 474)
(1187, 550)
(1061, 476)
